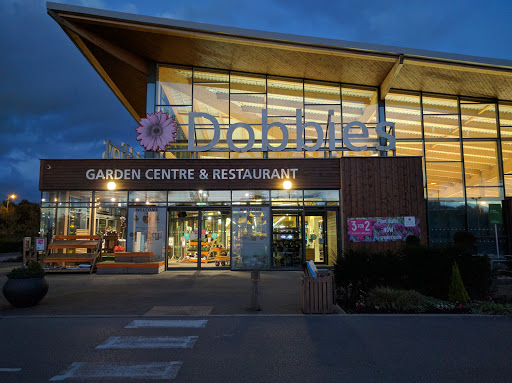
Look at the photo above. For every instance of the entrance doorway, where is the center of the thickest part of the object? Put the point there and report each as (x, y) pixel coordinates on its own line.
(287, 239)
(304, 235)
(199, 238)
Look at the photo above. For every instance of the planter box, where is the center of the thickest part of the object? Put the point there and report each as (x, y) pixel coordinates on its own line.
(317, 295)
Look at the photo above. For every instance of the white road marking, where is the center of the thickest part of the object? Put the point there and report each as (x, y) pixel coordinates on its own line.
(167, 323)
(155, 370)
(149, 342)
(10, 369)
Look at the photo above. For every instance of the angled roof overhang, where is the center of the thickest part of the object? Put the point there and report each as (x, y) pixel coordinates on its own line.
(122, 47)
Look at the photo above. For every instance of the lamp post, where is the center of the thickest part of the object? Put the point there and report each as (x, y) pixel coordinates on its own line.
(9, 197)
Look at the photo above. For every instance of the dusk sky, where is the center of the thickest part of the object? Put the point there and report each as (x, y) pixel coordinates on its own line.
(54, 105)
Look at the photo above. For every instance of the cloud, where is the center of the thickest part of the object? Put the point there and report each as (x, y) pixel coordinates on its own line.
(52, 104)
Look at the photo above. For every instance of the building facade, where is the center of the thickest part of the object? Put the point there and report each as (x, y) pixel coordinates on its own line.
(404, 142)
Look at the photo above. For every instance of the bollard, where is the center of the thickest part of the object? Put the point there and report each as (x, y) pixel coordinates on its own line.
(255, 294)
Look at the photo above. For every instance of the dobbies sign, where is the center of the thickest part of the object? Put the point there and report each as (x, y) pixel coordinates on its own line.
(349, 138)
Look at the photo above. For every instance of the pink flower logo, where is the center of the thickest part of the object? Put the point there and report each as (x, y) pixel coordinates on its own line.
(157, 130)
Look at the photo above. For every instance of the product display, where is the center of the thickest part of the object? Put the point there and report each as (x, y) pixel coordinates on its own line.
(287, 247)
(211, 251)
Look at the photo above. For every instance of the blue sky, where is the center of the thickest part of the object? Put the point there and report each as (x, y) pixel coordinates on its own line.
(54, 105)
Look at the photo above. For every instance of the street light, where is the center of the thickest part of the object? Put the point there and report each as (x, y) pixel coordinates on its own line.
(9, 197)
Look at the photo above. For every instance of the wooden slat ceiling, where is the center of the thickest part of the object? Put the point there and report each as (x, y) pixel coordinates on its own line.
(119, 47)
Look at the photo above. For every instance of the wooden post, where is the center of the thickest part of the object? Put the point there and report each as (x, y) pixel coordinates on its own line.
(255, 293)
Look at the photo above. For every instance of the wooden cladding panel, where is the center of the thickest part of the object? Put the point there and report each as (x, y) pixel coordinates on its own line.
(382, 187)
(454, 81)
(71, 174)
(267, 57)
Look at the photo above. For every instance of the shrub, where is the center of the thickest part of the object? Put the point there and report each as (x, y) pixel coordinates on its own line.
(414, 267)
(386, 299)
(393, 300)
(490, 308)
(427, 269)
(33, 270)
(412, 240)
(359, 270)
(476, 274)
(457, 292)
(465, 242)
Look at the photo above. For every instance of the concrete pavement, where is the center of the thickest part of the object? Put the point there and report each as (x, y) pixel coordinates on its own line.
(219, 291)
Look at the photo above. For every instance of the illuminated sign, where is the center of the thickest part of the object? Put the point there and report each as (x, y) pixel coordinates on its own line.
(384, 142)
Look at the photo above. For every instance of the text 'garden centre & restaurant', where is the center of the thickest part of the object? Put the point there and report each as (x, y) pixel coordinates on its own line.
(265, 150)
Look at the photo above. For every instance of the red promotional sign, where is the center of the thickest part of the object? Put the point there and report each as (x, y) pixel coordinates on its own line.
(360, 227)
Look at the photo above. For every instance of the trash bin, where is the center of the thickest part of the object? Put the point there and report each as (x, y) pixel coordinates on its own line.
(318, 294)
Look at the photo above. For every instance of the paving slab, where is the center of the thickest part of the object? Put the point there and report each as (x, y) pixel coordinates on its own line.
(228, 292)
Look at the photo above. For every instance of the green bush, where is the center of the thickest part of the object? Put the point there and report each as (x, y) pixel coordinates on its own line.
(427, 270)
(412, 240)
(32, 270)
(465, 242)
(490, 308)
(414, 267)
(476, 274)
(395, 300)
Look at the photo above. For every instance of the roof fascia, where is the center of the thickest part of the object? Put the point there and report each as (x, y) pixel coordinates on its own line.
(286, 38)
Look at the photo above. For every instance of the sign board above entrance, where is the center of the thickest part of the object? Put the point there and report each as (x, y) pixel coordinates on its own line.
(352, 133)
(181, 174)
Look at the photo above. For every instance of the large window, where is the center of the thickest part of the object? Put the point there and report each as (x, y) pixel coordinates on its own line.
(233, 98)
(466, 143)
(466, 155)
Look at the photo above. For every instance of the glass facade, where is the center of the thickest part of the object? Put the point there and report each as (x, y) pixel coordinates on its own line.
(205, 228)
(233, 98)
(465, 143)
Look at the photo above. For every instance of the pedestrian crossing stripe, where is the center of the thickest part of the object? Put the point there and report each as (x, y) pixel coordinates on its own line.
(148, 342)
(167, 323)
(153, 370)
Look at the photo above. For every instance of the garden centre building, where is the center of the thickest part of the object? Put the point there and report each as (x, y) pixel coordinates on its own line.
(264, 150)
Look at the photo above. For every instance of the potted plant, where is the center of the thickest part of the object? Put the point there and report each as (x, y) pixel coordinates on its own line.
(26, 286)
(111, 238)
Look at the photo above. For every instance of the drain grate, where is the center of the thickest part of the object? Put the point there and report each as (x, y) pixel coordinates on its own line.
(179, 310)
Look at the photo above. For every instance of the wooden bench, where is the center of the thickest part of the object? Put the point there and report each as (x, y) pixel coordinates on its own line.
(90, 243)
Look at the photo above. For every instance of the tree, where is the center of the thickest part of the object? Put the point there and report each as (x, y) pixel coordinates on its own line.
(457, 291)
(21, 220)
